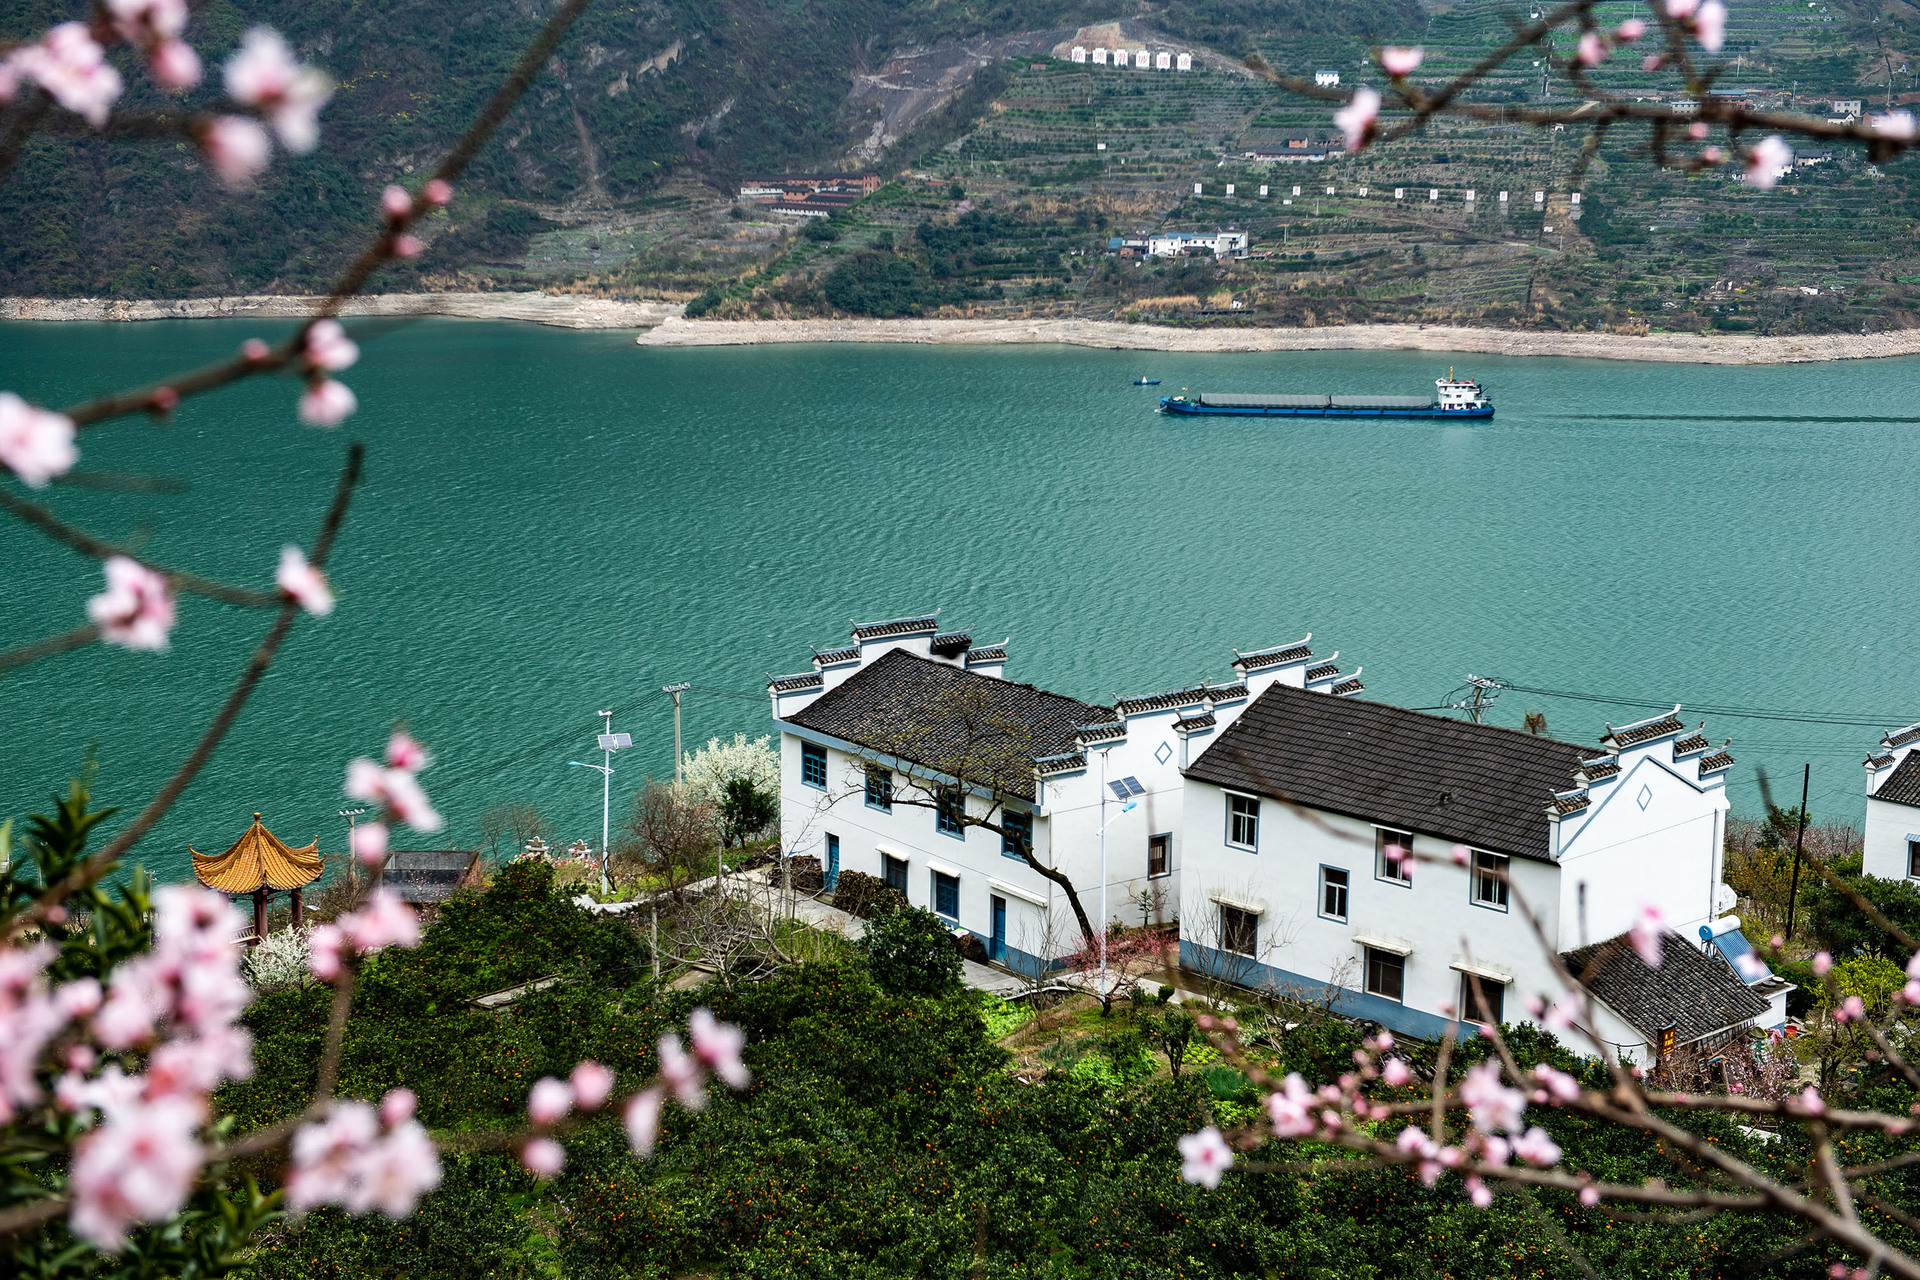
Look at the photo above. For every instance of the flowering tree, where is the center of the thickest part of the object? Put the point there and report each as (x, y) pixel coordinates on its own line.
(119, 1007)
(708, 770)
(1480, 1127)
(1689, 127)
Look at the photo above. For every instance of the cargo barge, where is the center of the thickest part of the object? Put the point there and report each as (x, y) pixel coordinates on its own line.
(1457, 398)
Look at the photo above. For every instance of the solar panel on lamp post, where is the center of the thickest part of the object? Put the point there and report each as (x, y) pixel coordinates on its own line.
(1123, 789)
(609, 742)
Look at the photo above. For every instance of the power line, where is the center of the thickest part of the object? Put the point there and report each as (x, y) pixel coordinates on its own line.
(1838, 718)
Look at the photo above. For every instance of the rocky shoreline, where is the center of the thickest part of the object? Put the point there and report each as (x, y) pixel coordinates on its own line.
(663, 325)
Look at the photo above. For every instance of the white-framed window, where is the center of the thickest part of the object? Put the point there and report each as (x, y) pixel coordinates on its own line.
(1333, 893)
(1397, 869)
(1386, 974)
(1491, 873)
(1243, 822)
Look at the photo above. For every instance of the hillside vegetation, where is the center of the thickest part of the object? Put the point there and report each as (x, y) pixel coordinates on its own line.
(616, 176)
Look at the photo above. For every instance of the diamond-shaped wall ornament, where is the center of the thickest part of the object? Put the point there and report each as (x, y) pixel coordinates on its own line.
(1645, 797)
(1163, 753)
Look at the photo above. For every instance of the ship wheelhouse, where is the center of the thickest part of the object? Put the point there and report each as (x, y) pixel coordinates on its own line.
(1458, 394)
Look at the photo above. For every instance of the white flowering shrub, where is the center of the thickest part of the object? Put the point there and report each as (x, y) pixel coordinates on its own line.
(708, 770)
(278, 961)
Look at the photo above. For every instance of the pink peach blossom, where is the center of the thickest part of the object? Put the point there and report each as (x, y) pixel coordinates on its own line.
(1822, 963)
(263, 74)
(405, 753)
(438, 192)
(398, 1107)
(1681, 8)
(1536, 1147)
(683, 1073)
(1710, 25)
(1630, 30)
(1204, 1157)
(718, 1045)
(1396, 1072)
(174, 65)
(35, 444)
(643, 1120)
(1356, 120)
(303, 582)
(592, 1085)
(1647, 929)
(1698, 130)
(329, 347)
(1478, 1192)
(370, 842)
(1592, 49)
(543, 1158)
(1461, 855)
(1397, 61)
(238, 149)
(407, 247)
(1894, 124)
(324, 945)
(1589, 1196)
(71, 66)
(549, 1100)
(1559, 1086)
(136, 609)
(1495, 1107)
(138, 1166)
(327, 404)
(395, 202)
(384, 921)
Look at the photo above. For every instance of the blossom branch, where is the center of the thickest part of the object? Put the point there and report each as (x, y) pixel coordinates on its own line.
(77, 638)
(98, 864)
(87, 545)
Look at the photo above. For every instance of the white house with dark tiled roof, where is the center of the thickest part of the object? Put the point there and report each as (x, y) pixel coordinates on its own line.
(1891, 847)
(873, 733)
(1288, 881)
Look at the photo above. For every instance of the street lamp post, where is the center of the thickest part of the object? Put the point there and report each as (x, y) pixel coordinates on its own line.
(1106, 822)
(610, 742)
(350, 815)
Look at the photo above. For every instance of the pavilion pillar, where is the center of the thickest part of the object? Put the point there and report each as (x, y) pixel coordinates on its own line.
(296, 906)
(260, 914)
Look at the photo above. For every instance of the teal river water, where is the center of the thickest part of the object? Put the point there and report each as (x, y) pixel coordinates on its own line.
(554, 522)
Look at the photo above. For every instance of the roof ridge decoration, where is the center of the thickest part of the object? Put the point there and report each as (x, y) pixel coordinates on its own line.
(1697, 741)
(1279, 655)
(1648, 730)
(1876, 763)
(1066, 763)
(1089, 734)
(1167, 700)
(1566, 802)
(1193, 724)
(983, 655)
(258, 860)
(1721, 759)
(1325, 671)
(796, 682)
(836, 657)
(1233, 691)
(1347, 688)
(918, 624)
(1901, 737)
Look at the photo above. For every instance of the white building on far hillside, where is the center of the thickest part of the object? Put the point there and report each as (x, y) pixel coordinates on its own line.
(1892, 843)
(1221, 244)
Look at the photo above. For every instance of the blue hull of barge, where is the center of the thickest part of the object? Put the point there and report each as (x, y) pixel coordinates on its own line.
(1168, 405)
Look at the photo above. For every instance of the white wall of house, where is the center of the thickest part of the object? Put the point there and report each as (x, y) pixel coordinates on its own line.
(1431, 918)
(1893, 829)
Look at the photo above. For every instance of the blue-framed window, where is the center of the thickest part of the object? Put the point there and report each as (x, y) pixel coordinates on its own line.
(833, 861)
(879, 788)
(950, 812)
(946, 895)
(1243, 822)
(813, 765)
(894, 871)
(1333, 893)
(1016, 833)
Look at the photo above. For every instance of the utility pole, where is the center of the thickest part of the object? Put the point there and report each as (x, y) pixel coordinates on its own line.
(674, 691)
(1793, 892)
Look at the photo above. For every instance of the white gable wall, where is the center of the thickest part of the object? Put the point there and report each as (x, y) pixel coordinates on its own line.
(1891, 826)
(1665, 854)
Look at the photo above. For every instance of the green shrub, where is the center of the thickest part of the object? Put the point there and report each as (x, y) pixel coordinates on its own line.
(910, 952)
(859, 894)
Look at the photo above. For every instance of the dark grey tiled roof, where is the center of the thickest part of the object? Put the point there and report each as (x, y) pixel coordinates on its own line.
(1061, 764)
(1697, 742)
(1271, 657)
(832, 657)
(896, 627)
(1717, 761)
(1701, 994)
(1900, 739)
(1323, 671)
(789, 684)
(949, 719)
(1394, 766)
(1596, 770)
(1904, 786)
(987, 656)
(949, 644)
(1346, 688)
(1111, 731)
(1167, 701)
(1573, 803)
(1877, 763)
(1646, 732)
(427, 875)
(1227, 692)
(1193, 724)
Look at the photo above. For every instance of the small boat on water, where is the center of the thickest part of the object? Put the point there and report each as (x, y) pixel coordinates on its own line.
(1457, 398)
(1146, 382)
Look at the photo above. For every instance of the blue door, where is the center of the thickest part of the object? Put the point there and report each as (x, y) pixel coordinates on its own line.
(997, 950)
(833, 860)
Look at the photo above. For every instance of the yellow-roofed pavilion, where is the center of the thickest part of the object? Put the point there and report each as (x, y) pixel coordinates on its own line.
(260, 864)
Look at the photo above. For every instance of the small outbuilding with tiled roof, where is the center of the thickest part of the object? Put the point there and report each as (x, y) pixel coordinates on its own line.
(1692, 1001)
(258, 865)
